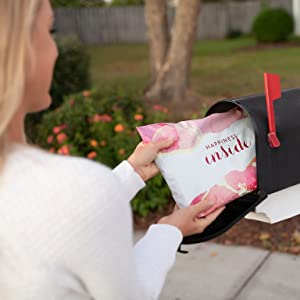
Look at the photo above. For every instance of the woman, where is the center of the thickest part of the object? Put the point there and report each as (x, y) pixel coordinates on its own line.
(65, 222)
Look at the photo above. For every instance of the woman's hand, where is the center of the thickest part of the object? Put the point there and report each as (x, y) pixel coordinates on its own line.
(186, 220)
(142, 159)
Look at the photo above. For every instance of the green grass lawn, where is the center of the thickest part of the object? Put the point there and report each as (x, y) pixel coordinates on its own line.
(220, 69)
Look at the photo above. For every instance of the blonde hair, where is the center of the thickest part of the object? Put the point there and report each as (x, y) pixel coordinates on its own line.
(16, 23)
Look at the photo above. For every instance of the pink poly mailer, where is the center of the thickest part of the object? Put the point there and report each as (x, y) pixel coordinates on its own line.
(213, 157)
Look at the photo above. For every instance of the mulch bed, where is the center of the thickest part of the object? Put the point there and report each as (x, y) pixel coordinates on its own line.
(267, 46)
(283, 236)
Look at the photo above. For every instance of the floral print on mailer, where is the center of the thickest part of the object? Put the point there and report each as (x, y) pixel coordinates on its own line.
(213, 157)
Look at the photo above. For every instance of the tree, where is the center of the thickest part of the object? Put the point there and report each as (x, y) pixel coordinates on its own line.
(170, 51)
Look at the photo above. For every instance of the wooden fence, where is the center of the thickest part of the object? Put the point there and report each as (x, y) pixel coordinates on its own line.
(127, 24)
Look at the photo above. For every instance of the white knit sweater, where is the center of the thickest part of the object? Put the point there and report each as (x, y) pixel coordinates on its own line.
(66, 231)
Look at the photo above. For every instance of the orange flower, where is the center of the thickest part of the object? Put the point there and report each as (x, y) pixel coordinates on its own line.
(92, 154)
(56, 129)
(64, 150)
(93, 143)
(138, 117)
(119, 128)
(122, 151)
(103, 118)
(86, 93)
(61, 138)
(103, 143)
(50, 139)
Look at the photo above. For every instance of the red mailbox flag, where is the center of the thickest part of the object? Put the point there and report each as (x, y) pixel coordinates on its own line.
(273, 92)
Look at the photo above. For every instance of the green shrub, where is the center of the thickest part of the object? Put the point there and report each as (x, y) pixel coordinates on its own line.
(127, 2)
(234, 33)
(77, 3)
(71, 75)
(273, 25)
(71, 71)
(101, 125)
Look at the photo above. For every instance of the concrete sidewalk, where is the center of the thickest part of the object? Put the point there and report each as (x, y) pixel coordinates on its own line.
(216, 272)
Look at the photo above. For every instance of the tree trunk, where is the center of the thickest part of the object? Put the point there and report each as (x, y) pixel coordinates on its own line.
(172, 79)
(158, 34)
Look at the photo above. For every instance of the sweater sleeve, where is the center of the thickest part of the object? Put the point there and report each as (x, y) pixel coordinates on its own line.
(155, 254)
(131, 182)
(101, 247)
(160, 243)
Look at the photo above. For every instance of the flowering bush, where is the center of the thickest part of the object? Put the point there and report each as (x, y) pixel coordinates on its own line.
(102, 126)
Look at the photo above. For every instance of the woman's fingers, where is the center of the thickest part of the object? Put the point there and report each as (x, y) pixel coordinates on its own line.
(211, 217)
(201, 206)
(164, 144)
(184, 220)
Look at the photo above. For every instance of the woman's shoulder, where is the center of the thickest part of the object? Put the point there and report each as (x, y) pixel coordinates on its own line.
(48, 167)
(68, 198)
(40, 156)
(67, 182)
